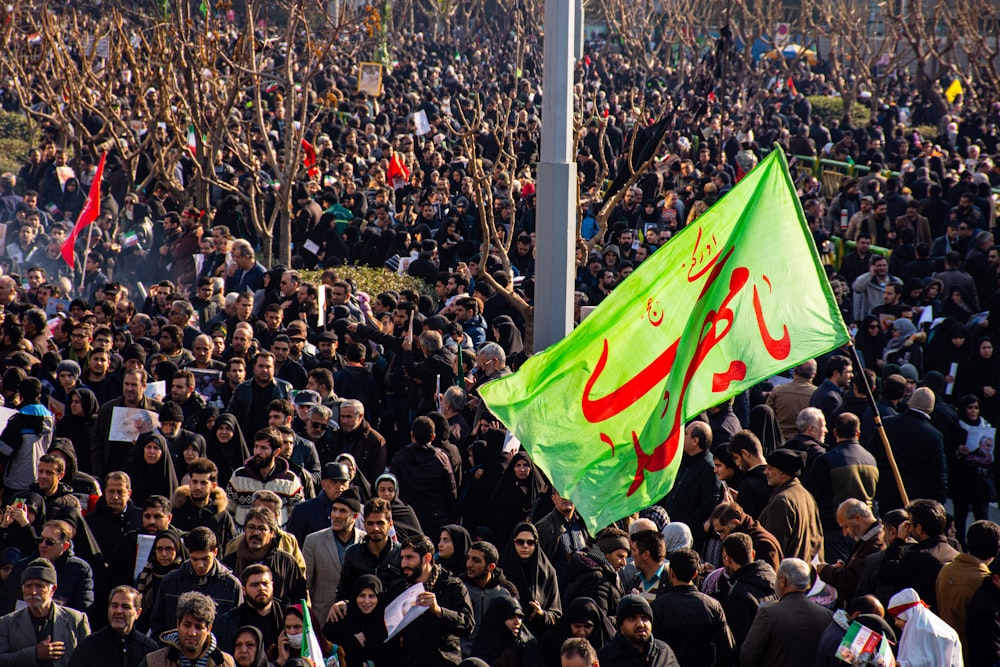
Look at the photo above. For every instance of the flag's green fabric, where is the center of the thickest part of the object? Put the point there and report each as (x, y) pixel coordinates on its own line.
(734, 298)
(310, 643)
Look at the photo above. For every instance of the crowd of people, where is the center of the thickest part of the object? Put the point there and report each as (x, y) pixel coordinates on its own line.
(203, 457)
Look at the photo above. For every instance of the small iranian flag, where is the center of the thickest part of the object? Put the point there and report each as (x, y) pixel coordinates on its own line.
(130, 240)
(192, 140)
(310, 643)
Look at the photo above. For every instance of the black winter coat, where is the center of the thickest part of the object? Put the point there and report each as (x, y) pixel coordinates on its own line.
(751, 585)
(215, 515)
(694, 626)
(695, 493)
(358, 561)
(982, 618)
(618, 653)
(110, 527)
(107, 647)
(591, 576)
(429, 641)
(922, 463)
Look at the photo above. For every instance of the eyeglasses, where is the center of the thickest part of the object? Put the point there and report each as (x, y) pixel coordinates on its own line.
(524, 543)
(47, 541)
(255, 529)
(319, 425)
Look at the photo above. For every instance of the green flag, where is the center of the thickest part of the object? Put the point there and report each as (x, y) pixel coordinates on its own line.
(734, 298)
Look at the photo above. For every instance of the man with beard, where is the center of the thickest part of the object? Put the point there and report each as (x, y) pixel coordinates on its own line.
(433, 638)
(376, 554)
(202, 503)
(264, 470)
(42, 632)
(259, 610)
(634, 643)
(259, 544)
(201, 573)
(119, 638)
(156, 517)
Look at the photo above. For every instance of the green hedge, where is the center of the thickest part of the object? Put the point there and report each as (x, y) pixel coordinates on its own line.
(829, 107)
(13, 126)
(373, 281)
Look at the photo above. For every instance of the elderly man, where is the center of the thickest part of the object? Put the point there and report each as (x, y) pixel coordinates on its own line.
(314, 514)
(785, 634)
(788, 400)
(358, 438)
(76, 578)
(119, 637)
(42, 632)
(810, 436)
(792, 515)
(324, 551)
(858, 524)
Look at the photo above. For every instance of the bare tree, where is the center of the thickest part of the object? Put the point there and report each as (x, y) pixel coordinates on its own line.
(168, 93)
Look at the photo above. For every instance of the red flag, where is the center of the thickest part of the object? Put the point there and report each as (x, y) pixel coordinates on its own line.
(397, 174)
(91, 207)
(309, 159)
(711, 96)
(791, 86)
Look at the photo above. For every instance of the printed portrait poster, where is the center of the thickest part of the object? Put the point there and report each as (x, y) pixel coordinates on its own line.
(204, 382)
(980, 442)
(370, 79)
(127, 424)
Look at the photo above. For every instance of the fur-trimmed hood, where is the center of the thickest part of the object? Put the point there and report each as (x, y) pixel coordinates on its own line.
(217, 499)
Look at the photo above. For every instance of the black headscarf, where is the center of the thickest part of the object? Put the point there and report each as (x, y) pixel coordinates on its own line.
(494, 639)
(580, 610)
(230, 456)
(80, 430)
(509, 336)
(148, 480)
(455, 563)
(342, 633)
(260, 659)
(764, 425)
(534, 577)
(201, 424)
(513, 498)
(870, 346)
(148, 582)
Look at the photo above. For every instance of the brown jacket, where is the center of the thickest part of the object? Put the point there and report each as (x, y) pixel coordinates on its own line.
(793, 518)
(956, 584)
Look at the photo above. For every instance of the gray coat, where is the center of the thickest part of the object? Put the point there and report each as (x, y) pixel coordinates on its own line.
(18, 642)
(785, 634)
(323, 567)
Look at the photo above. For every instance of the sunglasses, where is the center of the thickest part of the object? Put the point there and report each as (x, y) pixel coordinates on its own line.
(524, 543)
(319, 425)
(47, 541)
